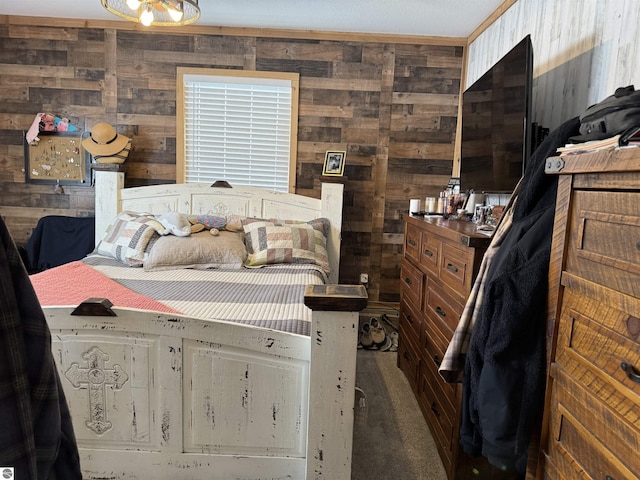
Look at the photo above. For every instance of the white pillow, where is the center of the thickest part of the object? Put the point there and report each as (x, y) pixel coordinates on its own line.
(175, 223)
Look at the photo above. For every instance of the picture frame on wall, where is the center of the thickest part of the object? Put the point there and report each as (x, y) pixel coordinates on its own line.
(57, 158)
(334, 163)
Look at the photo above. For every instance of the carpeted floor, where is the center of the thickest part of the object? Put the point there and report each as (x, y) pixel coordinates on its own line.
(395, 442)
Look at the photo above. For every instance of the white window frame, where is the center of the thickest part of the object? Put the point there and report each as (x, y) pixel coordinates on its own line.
(185, 148)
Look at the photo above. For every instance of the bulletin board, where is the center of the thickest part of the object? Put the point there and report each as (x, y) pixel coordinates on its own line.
(58, 157)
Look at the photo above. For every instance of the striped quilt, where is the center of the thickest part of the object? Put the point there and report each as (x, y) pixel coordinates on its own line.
(269, 297)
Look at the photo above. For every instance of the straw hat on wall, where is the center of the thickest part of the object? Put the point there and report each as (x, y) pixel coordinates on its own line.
(106, 145)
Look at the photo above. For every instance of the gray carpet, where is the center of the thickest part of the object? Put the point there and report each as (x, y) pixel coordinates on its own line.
(395, 442)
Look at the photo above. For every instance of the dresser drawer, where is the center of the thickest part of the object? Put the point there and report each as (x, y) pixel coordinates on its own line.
(432, 353)
(411, 281)
(587, 438)
(412, 242)
(440, 401)
(408, 361)
(438, 419)
(604, 242)
(410, 322)
(442, 308)
(455, 269)
(433, 344)
(604, 361)
(430, 247)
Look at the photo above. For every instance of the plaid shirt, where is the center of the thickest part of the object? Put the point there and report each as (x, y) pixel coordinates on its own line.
(452, 366)
(36, 435)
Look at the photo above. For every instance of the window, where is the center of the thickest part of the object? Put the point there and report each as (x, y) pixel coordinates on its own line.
(238, 126)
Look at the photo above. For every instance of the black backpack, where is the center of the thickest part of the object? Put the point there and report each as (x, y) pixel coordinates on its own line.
(612, 116)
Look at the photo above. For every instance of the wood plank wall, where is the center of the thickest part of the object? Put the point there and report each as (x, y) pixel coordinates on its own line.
(391, 103)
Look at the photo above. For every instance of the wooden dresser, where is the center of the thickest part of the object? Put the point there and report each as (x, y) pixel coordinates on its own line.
(591, 426)
(440, 263)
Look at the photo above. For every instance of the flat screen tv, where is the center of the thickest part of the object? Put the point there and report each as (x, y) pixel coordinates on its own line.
(496, 124)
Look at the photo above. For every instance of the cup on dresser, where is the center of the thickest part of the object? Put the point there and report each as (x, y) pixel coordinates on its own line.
(414, 206)
(430, 204)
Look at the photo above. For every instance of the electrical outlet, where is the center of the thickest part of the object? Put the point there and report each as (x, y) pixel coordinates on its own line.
(364, 278)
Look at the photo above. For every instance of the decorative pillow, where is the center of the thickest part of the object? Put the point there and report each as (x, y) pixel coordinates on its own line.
(127, 238)
(286, 241)
(199, 251)
(175, 223)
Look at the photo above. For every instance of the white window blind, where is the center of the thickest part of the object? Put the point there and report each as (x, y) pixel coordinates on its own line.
(237, 129)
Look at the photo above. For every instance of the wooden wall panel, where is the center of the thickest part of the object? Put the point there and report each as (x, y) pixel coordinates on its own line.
(421, 140)
(582, 51)
(391, 106)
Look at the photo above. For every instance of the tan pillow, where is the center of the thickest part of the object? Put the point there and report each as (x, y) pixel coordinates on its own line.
(199, 251)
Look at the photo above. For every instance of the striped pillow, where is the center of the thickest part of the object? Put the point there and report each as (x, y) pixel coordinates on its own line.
(282, 241)
(126, 239)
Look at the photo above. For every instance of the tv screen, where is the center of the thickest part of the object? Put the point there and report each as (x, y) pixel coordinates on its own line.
(496, 125)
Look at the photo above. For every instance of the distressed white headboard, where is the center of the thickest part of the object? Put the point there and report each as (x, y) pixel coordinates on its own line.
(197, 198)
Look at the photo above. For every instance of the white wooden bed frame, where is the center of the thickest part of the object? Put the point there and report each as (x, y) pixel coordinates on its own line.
(163, 396)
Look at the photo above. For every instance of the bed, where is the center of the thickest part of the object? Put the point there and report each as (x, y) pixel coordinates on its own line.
(159, 394)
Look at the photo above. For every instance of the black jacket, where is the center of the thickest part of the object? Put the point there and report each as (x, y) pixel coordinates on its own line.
(36, 433)
(504, 377)
(57, 240)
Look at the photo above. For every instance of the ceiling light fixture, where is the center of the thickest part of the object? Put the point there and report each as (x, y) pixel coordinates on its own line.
(155, 12)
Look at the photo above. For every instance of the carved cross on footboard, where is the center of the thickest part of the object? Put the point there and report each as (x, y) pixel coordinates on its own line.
(96, 377)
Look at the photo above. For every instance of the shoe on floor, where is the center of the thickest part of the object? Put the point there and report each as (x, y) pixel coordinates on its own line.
(365, 338)
(378, 333)
(393, 336)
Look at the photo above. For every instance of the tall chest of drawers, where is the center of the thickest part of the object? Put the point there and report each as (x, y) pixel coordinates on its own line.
(591, 426)
(440, 262)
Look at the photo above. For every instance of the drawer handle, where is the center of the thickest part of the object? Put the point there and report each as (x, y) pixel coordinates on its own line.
(406, 356)
(631, 372)
(407, 280)
(436, 360)
(410, 319)
(428, 253)
(452, 268)
(608, 477)
(434, 409)
(441, 312)
(411, 243)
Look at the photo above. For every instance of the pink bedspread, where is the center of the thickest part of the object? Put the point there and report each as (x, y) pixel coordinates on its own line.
(75, 282)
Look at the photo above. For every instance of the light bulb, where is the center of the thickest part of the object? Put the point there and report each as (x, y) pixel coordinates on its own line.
(146, 17)
(175, 12)
(133, 4)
